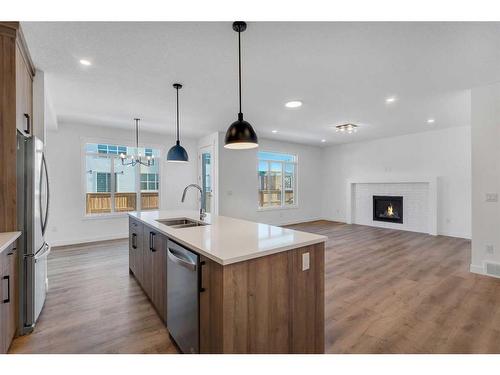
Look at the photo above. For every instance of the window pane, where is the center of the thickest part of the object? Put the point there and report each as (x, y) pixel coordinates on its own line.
(274, 156)
(98, 184)
(125, 196)
(150, 186)
(262, 173)
(289, 182)
(274, 187)
(102, 149)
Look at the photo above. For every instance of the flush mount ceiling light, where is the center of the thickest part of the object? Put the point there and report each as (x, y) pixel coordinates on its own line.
(177, 153)
(431, 121)
(85, 62)
(293, 104)
(323, 140)
(274, 131)
(240, 134)
(390, 99)
(135, 160)
(346, 128)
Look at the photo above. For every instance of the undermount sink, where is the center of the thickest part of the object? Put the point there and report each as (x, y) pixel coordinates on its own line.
(180, 223)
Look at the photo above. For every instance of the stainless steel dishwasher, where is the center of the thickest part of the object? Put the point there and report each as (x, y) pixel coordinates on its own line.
(183, 297)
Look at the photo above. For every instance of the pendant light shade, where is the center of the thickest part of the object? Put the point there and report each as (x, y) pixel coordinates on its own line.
(240, 134)
(177, 153)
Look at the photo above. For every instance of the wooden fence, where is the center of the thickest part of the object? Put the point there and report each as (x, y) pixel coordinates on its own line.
(98, 203)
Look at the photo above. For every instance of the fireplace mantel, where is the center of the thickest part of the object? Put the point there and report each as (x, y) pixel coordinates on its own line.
(432, 182)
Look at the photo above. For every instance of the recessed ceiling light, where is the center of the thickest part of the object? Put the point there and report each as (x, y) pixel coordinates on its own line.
(390, 99)
(85, 62)
(274, 131)
(323, 140)
(293, 104)
(431, 121)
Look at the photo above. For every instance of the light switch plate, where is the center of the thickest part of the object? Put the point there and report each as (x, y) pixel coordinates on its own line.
(305, 261)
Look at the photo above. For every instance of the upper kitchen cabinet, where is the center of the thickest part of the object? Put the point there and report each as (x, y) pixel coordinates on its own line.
(16, 108)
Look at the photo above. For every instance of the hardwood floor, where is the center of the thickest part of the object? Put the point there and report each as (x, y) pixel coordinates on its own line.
(95, 306)
(391, 291)
(386, 291)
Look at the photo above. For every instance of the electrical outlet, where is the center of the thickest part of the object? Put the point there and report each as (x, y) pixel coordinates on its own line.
(490, 249)
(491, 197)
(305, 261)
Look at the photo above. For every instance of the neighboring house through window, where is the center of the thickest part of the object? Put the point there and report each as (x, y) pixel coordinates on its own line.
(277, 174)
(112, 187)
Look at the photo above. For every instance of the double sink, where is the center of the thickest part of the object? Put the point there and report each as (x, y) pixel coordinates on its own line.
(179, 223)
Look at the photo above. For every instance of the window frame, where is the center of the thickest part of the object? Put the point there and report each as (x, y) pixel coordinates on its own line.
(295, 163)
(114, 157)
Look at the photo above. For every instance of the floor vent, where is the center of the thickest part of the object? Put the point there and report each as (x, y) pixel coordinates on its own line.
(493, 269)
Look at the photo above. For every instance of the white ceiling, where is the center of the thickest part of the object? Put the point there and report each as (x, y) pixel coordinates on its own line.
(341, 71)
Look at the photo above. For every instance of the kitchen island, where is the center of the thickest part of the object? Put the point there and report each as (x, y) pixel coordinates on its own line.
(260, 288)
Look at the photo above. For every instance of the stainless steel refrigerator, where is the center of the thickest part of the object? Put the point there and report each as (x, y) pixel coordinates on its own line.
(33, 209)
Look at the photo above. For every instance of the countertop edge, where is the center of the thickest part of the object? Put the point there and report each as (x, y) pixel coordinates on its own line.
(226, 262)
(11, 237)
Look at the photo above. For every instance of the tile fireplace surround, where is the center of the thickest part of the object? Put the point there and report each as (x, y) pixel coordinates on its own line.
(420, 202)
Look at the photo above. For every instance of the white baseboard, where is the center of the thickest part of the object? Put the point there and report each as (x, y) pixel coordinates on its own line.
(308, 220)
(77, 241)
(474, 268)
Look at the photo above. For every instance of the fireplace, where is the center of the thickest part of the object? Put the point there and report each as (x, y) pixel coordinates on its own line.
(388, 208)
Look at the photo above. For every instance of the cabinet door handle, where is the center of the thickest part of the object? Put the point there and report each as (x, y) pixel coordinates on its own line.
(200, 278)
(8, 289)
(134, 241)
(28, 123)
(152, 241)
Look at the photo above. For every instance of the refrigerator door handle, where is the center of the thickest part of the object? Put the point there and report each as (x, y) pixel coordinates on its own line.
(44, 220)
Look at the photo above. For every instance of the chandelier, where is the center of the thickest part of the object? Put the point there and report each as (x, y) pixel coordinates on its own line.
(134, 160)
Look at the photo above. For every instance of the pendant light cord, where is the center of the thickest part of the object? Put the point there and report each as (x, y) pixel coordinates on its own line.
(137, 135)
(239, 62)
(177, 89)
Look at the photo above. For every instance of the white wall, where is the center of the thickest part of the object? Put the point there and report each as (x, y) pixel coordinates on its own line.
(442, 153)
(238, 183)
(67, 221)
(485, 175)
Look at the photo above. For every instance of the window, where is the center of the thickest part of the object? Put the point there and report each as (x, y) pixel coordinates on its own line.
(149, 181)
(113, 187)
(277, 180)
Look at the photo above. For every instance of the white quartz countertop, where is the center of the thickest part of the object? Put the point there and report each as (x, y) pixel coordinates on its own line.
(7, 238)
(228, 240)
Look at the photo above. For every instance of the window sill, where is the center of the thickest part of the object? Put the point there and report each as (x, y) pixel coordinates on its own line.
(292, 207)
(114, 215)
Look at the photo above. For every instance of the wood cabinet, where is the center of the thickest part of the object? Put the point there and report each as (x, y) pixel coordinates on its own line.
(8, 297)
(264, 305)
(148, 263)
(136, 234)
(16, 86)
(159, 274)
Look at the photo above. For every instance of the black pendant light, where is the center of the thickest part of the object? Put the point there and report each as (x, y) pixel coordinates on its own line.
(177, 153)
(240, 135)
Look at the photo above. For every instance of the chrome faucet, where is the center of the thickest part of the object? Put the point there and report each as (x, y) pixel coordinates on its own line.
(202, 199)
